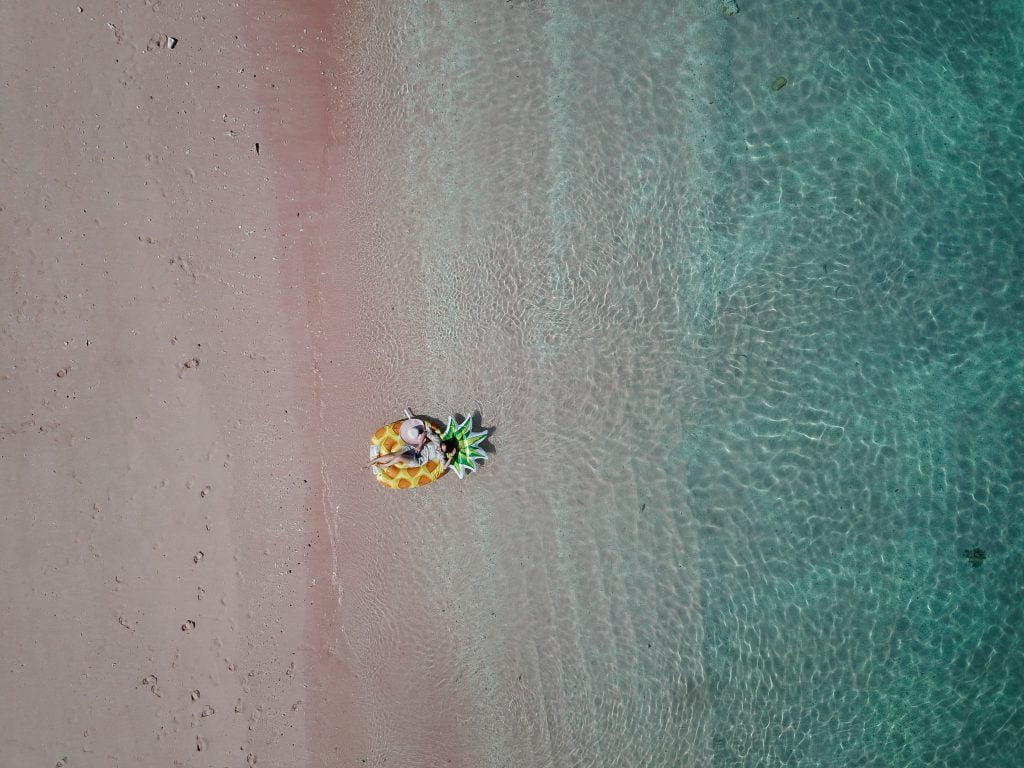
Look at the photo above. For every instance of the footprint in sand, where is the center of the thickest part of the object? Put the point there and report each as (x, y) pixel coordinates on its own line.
(149, 681)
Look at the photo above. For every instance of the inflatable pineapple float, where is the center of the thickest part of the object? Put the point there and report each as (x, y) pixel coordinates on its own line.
(460, 451)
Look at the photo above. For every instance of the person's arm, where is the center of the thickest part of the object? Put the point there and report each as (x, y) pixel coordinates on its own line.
(449, 457)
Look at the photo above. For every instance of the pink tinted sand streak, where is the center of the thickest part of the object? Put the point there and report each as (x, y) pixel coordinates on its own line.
(373, 700)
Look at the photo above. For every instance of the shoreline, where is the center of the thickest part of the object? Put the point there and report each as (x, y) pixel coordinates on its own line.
(335, 189)
(303, 151)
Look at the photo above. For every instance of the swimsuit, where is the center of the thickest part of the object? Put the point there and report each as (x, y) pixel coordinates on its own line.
(430, 452)
(411, 457)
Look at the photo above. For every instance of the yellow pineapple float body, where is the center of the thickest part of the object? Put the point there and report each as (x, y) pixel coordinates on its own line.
(460, 436)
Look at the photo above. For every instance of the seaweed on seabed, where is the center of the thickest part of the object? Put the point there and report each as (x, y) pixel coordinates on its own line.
(975, 556)
(730, 7)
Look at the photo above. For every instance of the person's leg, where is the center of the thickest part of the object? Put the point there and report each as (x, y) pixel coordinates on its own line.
(385, 460)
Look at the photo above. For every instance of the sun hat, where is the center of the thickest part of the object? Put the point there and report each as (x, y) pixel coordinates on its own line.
(411, 430)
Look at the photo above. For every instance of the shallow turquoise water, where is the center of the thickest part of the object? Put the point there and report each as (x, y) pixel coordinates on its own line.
(778, 335)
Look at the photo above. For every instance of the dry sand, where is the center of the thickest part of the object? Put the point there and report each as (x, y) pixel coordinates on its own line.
(178, 493)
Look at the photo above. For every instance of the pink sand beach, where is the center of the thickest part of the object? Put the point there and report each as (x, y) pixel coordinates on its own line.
(194, 570)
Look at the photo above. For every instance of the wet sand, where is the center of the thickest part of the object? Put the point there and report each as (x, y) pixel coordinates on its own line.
(185, 535)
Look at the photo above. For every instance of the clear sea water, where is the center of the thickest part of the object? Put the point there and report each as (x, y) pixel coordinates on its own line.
(753, 359)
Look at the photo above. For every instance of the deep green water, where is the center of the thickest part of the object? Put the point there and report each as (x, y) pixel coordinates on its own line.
(779, 335)
(864, 426)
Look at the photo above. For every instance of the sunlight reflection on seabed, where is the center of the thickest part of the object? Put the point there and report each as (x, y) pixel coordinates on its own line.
(750, 389)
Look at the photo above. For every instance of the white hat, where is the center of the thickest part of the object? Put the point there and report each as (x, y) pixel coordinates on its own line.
(411, 430)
